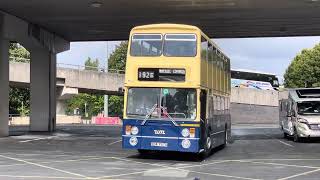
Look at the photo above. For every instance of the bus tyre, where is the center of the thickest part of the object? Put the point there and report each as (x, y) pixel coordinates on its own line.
(225, 138)
(207, 146)
(296, 137)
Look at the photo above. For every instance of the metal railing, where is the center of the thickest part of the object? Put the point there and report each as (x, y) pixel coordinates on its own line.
(89, 68)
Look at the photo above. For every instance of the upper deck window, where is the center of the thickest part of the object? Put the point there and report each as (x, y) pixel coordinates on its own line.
(146, 45)
(180, 45)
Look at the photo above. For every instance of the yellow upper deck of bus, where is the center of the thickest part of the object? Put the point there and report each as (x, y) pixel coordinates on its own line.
(201, 72)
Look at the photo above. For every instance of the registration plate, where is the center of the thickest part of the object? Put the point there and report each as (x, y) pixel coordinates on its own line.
(159, 144)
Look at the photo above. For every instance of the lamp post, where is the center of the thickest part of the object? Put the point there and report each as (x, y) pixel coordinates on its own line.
(106, 97)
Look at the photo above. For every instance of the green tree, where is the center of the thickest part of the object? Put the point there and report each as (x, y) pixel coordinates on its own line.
(304, 70)
(19, 98)
(91, 64)
(18, 53)
(89, 103)
(118, 58)
(117, 61)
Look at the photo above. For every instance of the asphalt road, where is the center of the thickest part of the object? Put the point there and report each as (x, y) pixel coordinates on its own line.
(94, 152)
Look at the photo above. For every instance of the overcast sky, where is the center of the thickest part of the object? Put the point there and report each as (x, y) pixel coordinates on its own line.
(271, 55)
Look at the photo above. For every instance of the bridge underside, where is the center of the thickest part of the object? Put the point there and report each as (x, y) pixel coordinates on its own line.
(81, 20)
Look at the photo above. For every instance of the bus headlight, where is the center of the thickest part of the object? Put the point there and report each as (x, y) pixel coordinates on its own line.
(186, 143)
(185, 132)
(134, 130)
(133, 141)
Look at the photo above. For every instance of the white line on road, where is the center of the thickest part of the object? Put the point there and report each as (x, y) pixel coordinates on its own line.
(43, 166)
(40, 177)
(182, 169)
(287, 144)
(114, 142)
(301, 174)
(280, 164)
(37, 139)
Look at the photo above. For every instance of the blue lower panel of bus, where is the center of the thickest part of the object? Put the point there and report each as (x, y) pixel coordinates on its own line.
(159, 135)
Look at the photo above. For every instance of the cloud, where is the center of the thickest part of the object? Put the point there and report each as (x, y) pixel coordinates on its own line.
(265, 54)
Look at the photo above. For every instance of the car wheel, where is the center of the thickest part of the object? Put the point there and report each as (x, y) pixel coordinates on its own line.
(296, 137)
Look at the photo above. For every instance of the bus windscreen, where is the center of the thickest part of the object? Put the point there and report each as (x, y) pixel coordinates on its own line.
(179, 103)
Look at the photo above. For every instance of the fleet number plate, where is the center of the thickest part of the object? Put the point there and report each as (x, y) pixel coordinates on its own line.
(159, 144)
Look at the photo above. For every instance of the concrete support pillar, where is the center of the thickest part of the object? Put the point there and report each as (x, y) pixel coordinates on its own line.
(4, 83)
(43, 90)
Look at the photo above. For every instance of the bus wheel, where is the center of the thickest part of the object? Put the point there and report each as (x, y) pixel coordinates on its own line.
(225, 137)
(207, 146)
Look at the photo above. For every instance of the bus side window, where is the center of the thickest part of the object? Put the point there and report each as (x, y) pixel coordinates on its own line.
(210, 52)
(204, 48)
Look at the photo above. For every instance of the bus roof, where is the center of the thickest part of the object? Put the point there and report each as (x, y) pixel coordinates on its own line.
(253, 71)
(166, 25)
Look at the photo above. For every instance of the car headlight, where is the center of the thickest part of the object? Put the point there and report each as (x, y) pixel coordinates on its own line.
(134, 130)
(186, 143)
(185, 132)
(133, 141)
(304, 121)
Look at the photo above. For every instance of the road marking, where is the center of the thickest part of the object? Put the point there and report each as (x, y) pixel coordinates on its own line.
(114, 142)
(41, 177)
(206, 164)
(280, 164)
(43, 166)
(222, 175)
(285, 143)
(182, 169)
(301, 174)
(37, 139)
(275, 160)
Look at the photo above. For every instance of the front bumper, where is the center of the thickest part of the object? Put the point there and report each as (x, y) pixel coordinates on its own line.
(160, 143)
(304, 131)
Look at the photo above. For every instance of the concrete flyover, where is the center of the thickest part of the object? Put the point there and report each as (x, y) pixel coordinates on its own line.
(81, 20)
(72, 77)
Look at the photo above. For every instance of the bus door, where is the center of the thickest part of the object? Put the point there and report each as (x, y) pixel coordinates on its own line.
(203, 115)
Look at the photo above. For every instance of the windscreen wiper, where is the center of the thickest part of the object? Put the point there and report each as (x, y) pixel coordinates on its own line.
(152, 110)
(167, 114)
(149, 114)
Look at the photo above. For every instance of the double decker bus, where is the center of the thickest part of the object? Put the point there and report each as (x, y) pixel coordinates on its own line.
(177, 91)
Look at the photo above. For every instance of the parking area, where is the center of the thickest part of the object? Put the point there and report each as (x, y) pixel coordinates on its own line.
(94, 152)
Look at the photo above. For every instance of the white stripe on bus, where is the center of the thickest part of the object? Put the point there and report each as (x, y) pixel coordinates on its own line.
(160, 137)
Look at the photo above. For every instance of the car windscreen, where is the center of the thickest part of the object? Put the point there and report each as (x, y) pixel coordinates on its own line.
(311, 107)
